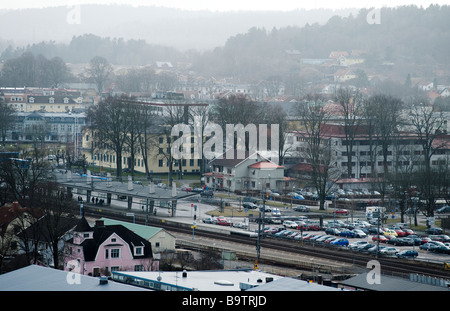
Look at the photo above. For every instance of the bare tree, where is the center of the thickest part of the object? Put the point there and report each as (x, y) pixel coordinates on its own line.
(57, 71)
(173, 114)
(110, 126)
(56, 204)
(428, 126)
(317, 149)
(350, 102)
(385, 114)
(200, 118)
(7, 114)
(99, 70)
(22, 178)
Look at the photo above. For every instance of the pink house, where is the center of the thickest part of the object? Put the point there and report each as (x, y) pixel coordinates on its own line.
(100, 249)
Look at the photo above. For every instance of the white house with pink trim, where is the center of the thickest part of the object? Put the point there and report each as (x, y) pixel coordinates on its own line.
(100, 249)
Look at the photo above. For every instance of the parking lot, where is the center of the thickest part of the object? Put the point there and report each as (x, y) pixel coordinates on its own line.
(344, 229)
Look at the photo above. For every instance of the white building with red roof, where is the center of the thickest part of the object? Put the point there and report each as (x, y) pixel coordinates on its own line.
(250, 173)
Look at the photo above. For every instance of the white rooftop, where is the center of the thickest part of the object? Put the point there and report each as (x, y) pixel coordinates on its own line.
(38, 278)
(214, 280)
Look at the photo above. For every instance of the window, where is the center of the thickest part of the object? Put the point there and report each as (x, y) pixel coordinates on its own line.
(138, 268)
(115, 253)
(139, 250)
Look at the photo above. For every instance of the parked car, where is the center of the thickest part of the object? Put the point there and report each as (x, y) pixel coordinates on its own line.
(434, 230)
(290, 224)
(357, 244)
(209, 220)
(223, 221)
(443, 238)
(390, 232)
(240, 225)
(389, 251)
(444, 209)
(417, 240)
(265, 208)
(207, 193)
(400, 232)
(333, 231)
(432, 245)
(249, 205)
(185, 188)
(301, 208)
(341, 242)
(373, 250)
(408, 231)
(250, 199)
(380, 238)
(276, 212)
(341, 211)
(365, 248)
(347, 234)
(359, 233)
(407, 254)
(444, 249)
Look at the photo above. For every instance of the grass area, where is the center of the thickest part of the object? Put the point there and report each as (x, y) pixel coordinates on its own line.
(229, 211)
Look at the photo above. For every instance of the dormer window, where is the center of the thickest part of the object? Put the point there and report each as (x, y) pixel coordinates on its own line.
(139, 250)
(66, 100)
(51, 100)
(31, 99)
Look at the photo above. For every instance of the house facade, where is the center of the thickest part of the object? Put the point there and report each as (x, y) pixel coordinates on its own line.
(49, 127)
(253, 173)
(100, 249)
(161, 239)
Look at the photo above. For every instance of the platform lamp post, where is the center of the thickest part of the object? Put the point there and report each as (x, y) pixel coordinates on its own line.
(131, 215)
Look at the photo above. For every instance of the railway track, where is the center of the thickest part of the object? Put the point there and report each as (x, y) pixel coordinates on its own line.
(389, 265)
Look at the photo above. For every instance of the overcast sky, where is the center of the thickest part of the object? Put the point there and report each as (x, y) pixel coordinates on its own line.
(227, 5)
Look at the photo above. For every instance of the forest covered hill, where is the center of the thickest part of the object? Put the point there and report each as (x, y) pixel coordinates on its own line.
(414, 40)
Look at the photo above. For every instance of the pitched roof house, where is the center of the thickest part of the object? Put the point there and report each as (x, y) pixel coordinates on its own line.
(103, 248)
(14, 218)
(253, 172)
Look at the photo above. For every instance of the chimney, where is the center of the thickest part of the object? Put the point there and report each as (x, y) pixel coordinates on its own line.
(99, 223)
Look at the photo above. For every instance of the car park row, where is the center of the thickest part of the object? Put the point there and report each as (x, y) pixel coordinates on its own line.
(367, 238)
(358, 236)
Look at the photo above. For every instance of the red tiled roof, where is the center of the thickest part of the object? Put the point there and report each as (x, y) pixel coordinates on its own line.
(265, 165)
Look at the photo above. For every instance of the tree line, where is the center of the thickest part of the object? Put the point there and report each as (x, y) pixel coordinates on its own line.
(402, 135)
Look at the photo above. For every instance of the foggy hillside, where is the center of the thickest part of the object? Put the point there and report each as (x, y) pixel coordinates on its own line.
(171, 27)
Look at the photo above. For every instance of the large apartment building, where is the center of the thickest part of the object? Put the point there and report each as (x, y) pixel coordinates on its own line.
(44, 100)
(404, 152)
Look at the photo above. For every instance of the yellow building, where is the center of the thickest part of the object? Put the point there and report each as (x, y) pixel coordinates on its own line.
(51, 103)
(157, 158)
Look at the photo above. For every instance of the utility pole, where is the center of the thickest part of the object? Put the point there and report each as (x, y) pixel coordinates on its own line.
(260, 222)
